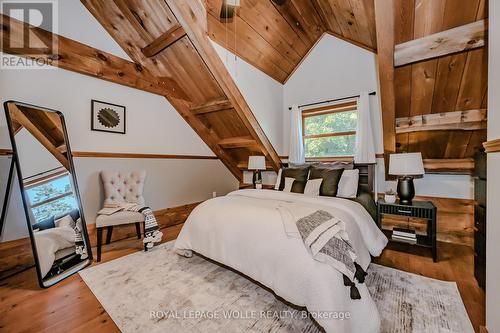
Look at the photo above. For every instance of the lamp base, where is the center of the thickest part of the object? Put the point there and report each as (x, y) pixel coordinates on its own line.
(406, 190)
(257, 177)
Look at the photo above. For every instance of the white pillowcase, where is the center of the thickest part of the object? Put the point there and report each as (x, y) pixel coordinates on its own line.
(288, 184)
(348, 184)
(313, 186)
(278, 180)
(65, 221)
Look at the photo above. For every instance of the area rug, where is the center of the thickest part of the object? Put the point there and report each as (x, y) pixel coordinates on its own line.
(159, 291)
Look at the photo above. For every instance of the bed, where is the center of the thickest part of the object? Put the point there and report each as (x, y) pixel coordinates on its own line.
(244, 230)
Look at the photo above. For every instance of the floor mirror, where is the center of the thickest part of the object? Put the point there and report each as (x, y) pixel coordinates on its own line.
(51, 200)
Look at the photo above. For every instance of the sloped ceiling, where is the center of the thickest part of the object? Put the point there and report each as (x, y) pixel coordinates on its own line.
(275, 38)
(455, 82)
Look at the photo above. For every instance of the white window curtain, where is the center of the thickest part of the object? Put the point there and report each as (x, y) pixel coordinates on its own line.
(296, 153)
(365, 145)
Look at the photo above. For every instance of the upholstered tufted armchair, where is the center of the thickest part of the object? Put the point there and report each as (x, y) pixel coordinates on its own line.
(120, 187)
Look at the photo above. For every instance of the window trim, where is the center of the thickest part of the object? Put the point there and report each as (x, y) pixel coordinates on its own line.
(325, 110)
(44, 180)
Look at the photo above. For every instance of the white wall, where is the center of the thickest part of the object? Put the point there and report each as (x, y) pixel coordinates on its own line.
(493, 210)
(334, 69)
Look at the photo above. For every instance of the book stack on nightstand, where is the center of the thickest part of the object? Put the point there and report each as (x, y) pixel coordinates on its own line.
(404, 235)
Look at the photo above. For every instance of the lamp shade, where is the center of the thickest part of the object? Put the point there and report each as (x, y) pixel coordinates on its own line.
(256, 163)
(409, 164)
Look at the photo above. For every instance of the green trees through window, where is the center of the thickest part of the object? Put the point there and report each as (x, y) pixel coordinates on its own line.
(330, 134)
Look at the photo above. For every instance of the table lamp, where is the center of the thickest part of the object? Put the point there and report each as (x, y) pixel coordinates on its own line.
(406, 167)
(257, 163)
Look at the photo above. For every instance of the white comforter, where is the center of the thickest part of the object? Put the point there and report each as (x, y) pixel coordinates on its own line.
(244, 230)
(49, 241)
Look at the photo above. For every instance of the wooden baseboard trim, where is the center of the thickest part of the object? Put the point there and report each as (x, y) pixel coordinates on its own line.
(492, 146)
(16, 256)
(137, 155)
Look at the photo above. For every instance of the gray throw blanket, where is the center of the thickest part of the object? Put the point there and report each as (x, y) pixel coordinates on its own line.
(152, 233)
(326, 239)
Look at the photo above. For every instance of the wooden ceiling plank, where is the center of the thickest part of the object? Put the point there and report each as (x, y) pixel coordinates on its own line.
(327, 14)
(384, 15)
(463, 38)
(250, 46)
(457, 120)
(238, 142)
(83, 59)
(165, 40)
(303, 19)
(212, 106)
(263, 17)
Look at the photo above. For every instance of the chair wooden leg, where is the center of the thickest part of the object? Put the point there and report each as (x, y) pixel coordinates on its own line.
(138, 229)
(108, 234)
(99, 243)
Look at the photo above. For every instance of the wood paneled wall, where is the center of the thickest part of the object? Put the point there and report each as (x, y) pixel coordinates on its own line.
(455, 82)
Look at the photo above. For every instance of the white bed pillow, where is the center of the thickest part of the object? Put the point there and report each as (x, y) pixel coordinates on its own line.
(313, 186)
(288, 184)
(65, 221)
(278, 181)
(348, 184)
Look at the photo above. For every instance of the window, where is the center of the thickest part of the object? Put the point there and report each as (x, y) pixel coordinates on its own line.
(51, 195)
(330, 132)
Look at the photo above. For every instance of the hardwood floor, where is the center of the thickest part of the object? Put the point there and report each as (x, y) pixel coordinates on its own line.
(70, 306)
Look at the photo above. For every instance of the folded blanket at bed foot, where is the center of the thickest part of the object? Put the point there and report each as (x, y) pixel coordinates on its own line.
(326, 239)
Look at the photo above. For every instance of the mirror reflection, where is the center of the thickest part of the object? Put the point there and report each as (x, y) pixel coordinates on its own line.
(50, 193)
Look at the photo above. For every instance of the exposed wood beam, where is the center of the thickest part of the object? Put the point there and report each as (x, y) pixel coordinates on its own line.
(384, 17)
(457, 120)
(244, 166)
(238, 142)
(463, 38)
(459, 166)
(81, 58)
(212, 106)
(165, 40)
(492, 146)
(192, 15)
(21, 118)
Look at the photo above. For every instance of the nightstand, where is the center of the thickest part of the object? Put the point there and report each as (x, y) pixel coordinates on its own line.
(419, 209)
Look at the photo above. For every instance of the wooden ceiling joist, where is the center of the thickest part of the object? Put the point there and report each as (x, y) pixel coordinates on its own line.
(18, 116)
(237, 142)
(165, 40)
(457, 120)
(81, 58)
(458, 166)
(212, 106)
(459, 39)
(384, 15)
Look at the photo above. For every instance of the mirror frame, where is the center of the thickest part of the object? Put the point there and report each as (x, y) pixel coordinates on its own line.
(25, 203)
(8, 187)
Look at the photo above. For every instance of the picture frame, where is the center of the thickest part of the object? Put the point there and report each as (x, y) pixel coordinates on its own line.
(107, 117)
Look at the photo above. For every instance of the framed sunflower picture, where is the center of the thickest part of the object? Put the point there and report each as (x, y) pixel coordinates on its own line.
(107, 117)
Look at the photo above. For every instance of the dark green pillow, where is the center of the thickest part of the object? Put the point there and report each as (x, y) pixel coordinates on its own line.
(331, 179)
(298, 186)
(299, 174)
